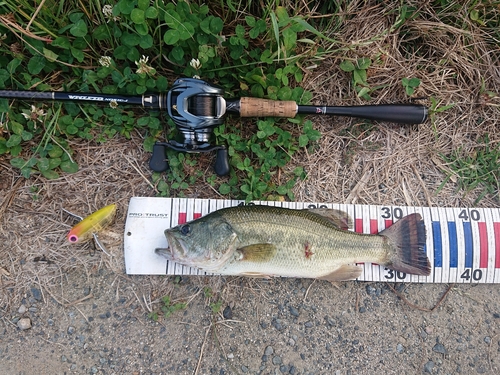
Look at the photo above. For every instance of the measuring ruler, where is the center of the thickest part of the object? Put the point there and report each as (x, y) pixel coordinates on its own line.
(463, 244)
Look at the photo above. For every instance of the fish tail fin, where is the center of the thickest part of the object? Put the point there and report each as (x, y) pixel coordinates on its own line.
(407, 240)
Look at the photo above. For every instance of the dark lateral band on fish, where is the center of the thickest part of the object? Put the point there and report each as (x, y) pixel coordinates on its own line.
(264, 241)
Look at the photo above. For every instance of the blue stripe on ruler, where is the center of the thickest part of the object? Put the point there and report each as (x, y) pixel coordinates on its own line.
(452, 234)
(438, 245)
(468, 244)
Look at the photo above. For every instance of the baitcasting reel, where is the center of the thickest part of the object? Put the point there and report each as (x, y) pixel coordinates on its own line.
(196, 109)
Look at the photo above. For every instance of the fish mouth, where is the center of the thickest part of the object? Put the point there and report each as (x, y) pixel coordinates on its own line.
(176, 248)
(164, 252)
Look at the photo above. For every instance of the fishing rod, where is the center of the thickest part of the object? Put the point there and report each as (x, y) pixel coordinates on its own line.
(197, 107)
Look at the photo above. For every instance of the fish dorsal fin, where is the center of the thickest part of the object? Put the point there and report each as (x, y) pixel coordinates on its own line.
(344, 272)
(259, 252)
(340, 219)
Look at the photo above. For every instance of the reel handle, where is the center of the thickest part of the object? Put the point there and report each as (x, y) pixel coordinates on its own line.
(158, 161)
(222, 162)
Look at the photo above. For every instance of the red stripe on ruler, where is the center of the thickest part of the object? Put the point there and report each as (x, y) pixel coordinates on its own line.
(182, 217)
(388, 223)
(483, 245)
(496, 227)
(373, 226)
(196, 215)
(358, 225)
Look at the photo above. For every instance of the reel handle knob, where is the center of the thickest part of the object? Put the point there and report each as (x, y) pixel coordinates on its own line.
(158, 161)
(222, 162)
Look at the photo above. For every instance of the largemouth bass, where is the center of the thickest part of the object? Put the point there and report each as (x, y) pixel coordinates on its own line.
(264, 241)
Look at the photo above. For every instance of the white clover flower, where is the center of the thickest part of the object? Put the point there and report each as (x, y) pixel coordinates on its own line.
(105, 61)
(113, 104)
(107, 11)
(35, 114)
(195, 63)
(196, 76)
(143, 67)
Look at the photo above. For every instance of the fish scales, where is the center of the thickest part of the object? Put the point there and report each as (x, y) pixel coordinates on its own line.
(307, 244)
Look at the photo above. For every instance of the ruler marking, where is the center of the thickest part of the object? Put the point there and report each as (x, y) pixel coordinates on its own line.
(469, 247)
(496, 229)
(438, 243)
(452, 233)
(182, 218)
(483, 245)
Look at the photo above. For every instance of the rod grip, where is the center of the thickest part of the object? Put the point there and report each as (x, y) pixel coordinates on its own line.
(254, 107)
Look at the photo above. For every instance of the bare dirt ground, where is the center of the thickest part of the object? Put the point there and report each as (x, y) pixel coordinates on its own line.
(89, 317)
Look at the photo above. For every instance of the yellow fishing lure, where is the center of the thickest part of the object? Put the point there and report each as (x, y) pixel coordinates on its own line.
(93, 223)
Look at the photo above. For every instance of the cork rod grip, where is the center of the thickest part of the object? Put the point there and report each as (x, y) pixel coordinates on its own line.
(254, 107)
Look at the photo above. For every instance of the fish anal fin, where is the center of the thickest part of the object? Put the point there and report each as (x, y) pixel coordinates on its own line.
(344, 272)
(260, 252)
(340, 219)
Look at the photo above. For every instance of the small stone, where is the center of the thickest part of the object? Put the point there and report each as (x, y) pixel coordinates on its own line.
(264, 358)
(94, 370)
(276, 360)
(71, 330)
(308, 324)
(370, 290)
(293, 370)
(487, 339)
(291, 342)
(50, 322)
(63, 358)
(244, 369)
(227, 313)
(269, 350)
(22, 309)
(284, 369)
(362, 309)
(36, 293)
(230, 356)
(428, 367)
(399, 348)
(439, 348)
(294, 311)
(24, 324)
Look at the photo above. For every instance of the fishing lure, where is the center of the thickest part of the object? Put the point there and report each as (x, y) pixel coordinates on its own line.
(88, 227)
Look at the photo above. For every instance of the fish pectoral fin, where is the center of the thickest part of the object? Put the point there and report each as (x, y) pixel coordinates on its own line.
(339, 218)
(344, 272)
(260, 252)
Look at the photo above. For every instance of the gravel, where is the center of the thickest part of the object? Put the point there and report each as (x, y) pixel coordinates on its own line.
(323, 334)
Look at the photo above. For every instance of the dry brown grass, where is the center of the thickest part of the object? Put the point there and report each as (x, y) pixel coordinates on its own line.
(353, 162)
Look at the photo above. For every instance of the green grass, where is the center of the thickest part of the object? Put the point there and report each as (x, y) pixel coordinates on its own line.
(476, 168)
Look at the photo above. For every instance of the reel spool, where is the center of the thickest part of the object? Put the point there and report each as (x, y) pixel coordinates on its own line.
(196, 108)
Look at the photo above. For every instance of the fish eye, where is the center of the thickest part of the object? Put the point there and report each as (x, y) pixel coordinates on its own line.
(185, 229)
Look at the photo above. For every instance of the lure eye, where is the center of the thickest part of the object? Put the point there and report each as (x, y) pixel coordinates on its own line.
(73, 238)
(185, 229)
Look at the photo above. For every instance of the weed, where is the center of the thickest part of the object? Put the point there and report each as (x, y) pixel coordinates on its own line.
(359, 70)
(410, 84)
(168, 308)
(478, 167)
